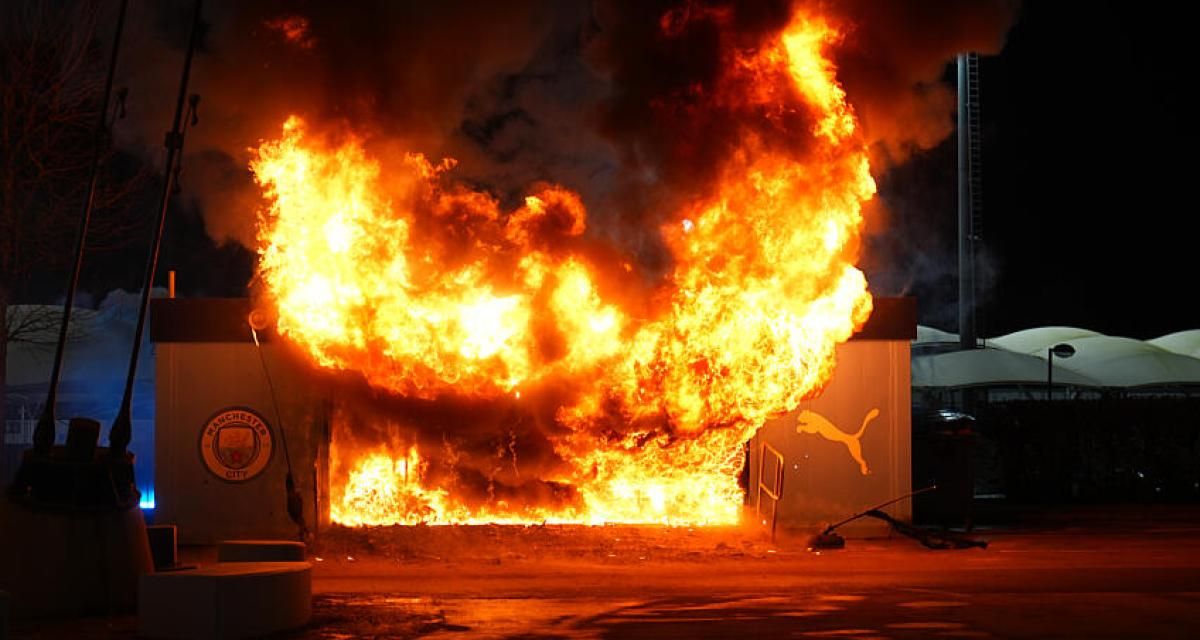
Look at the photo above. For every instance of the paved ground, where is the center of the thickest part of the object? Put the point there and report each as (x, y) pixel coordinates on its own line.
(1083, 575)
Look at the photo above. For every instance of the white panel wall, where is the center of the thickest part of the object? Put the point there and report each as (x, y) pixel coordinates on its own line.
(822, 480)
(195, 381)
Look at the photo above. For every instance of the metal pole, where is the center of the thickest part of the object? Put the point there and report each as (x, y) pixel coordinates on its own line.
(122, 427)
(775, 511)
(1050, 374)
(966, 233)
(910, 494)
(295, 506)
(43, 433)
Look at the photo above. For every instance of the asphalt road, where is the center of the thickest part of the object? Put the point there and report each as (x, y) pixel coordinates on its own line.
(1078, 577)
(1137, 580)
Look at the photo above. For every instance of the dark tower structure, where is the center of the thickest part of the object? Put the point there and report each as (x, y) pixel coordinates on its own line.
(970, 194)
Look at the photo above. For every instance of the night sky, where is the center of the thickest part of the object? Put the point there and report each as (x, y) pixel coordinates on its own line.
(1090, 191)
(1087, 172)
(1088, 166)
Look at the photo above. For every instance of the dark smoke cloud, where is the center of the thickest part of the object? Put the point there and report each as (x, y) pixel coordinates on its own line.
(666, 63)
(890, 61)
(539, 123)
(611, 99)
(386, 69)
(892, 64)
(893, 58)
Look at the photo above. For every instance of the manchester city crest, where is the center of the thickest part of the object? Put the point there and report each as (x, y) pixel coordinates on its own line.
(236, 444)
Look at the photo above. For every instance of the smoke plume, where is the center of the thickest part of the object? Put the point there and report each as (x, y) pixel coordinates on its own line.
(610, 99)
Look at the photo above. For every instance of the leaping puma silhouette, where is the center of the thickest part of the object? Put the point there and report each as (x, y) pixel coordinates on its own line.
(817, 424)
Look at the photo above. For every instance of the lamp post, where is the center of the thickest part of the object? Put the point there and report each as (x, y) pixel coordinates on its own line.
(1062, 350)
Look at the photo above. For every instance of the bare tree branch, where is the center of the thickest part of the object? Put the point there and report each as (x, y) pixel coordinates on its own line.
(38, 325)
(51, 81)
(52, 71)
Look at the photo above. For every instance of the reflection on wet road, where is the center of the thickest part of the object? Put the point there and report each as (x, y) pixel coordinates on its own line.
(899, 615)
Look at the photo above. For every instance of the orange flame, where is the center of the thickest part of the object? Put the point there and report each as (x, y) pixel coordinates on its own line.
(294, 29)
(427, 288)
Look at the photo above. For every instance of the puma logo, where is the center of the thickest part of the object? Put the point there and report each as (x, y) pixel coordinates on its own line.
(817, 424)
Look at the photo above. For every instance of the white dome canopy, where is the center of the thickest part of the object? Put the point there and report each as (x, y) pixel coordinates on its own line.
(1039, 339)
(1021, 357)
(928, 335)
(976, 367)
(1185, 343)
(1125, 362)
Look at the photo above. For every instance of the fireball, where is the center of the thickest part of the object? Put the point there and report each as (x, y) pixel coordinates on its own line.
(427, 288)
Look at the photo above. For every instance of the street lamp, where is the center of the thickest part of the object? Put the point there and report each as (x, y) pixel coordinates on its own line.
(1062, 350)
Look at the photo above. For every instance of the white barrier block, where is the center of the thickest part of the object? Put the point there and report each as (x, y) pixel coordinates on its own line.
(225, 601)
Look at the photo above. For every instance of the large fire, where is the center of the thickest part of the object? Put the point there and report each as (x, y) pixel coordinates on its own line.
(385, 266)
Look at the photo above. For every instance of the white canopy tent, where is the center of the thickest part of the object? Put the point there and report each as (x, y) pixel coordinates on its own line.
(1037, 340)
(980, 367)
(930, 335)
(1185, 343)
(1099, 360)
(1125, 362)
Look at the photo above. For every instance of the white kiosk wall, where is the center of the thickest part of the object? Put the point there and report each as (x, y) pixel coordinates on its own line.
(847, 449)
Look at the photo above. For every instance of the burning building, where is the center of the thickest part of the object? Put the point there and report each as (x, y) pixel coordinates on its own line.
(446, 351)
(228, 431)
